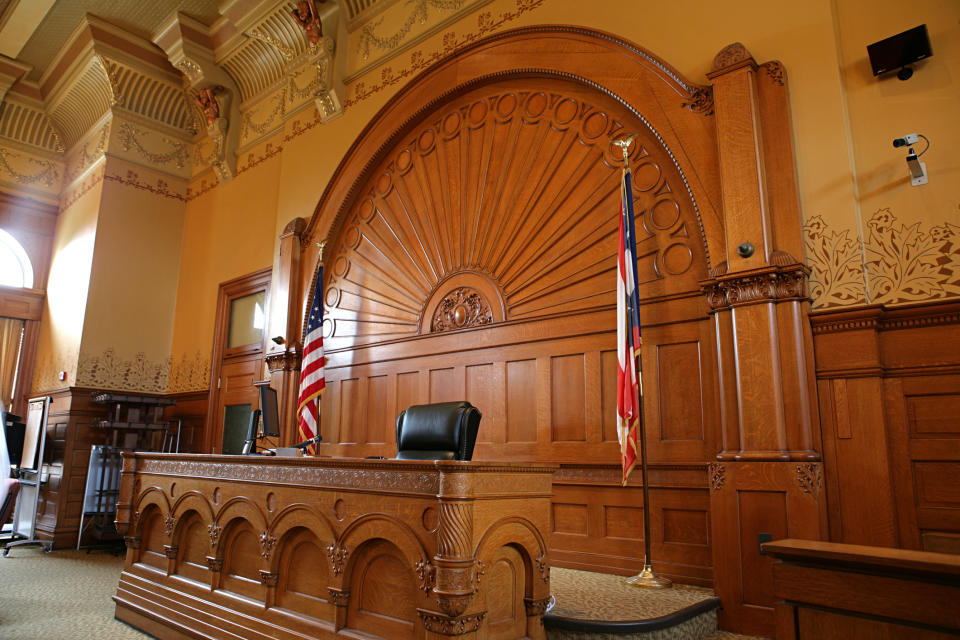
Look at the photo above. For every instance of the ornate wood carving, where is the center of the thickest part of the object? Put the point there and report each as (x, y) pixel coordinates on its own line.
(426, 574)
(170, 550)
(214, 530)
(730, 55)
(717, 474)
(453, 535)
(269, 578)
(536, 607)
(772, 284)
(462, 308)
(775, 71)
(288, 360)
(701, 101)
(132, 542)
(339, 597)
(809, 477)
(214, 564)
(543, 566)
(169, 522)
(338, 556)
(451, 626)
(267, 542)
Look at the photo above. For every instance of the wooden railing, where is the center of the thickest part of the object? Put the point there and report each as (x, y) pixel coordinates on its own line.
(829, 590)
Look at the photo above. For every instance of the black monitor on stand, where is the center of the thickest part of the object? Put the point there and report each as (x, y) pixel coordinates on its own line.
(267, 414)
(250, 444)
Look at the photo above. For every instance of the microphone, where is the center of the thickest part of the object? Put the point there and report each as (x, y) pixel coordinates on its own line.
(306, 443)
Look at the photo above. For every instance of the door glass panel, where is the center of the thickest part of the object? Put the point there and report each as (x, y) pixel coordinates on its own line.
(246, 320)
(236, 421)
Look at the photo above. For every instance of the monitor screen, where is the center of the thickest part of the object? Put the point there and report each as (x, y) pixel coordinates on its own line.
(268, 410)
(897, 51)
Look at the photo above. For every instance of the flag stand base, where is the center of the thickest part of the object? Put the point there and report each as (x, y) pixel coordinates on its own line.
(649, 580)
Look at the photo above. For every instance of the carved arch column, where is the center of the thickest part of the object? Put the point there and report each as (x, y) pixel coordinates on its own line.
(768, 485)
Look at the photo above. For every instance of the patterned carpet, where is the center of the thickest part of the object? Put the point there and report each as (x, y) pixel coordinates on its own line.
(63, 595)
(66, 595)
(586, 595)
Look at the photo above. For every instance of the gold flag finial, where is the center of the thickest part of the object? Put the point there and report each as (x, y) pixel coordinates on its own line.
(322, 246)
(624, 144)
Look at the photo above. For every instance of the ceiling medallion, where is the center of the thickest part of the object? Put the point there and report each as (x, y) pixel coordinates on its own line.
(462, 308)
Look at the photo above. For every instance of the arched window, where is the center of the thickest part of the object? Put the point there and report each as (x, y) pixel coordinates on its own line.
(15, 267)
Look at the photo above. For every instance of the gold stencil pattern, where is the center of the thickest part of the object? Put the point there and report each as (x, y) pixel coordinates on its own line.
(108, 371)
(189, 373)
(904, 263)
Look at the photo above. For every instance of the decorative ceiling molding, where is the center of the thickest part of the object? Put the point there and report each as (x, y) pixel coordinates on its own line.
(28, 124)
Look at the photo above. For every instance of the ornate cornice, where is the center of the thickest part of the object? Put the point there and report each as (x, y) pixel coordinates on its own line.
(768, 284)
(288, 360)
(882, 318)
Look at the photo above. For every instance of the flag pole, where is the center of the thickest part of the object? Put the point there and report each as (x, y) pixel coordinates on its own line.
(646, 578)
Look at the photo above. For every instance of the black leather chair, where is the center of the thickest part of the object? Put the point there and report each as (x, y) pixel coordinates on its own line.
(441, 431)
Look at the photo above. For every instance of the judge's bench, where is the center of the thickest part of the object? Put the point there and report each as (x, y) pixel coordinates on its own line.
(273, 547)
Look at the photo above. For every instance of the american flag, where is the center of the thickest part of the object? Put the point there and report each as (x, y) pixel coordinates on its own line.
(312, 380)
(629, 387)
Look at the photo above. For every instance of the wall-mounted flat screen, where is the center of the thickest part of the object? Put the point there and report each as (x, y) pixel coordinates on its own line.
(900, 50)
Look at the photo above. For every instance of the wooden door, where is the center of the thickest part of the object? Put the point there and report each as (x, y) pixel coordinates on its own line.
(238, 349)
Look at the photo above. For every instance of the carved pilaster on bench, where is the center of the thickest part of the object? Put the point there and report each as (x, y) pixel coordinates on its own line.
(454, 562)
(171, 550)
(132, 542)
(214, 564)
(451, 625)
(269, 578)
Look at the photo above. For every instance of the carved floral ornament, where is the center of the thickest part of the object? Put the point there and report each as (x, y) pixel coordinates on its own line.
(462, 308)
(769, 284)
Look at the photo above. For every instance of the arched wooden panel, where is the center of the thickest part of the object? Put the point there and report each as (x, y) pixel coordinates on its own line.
(192, 540)
(503, 205)
(239, 575)
(152, 538)
(506, 616)
(381, 588)
(304, 572)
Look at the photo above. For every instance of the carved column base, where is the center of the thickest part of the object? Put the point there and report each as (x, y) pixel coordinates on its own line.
(443, 625)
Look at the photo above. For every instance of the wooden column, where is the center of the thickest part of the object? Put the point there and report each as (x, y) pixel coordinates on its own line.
(769, 481)
(283, 359)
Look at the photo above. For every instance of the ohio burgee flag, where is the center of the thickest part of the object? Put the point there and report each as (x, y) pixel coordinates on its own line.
(629, 387)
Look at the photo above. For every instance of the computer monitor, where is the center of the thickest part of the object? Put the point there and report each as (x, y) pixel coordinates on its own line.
(900, 50)
(250, 444)
(268, 409)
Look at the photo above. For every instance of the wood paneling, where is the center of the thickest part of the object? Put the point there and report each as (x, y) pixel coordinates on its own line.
(889, 382)
(568, 398)
(521, 395)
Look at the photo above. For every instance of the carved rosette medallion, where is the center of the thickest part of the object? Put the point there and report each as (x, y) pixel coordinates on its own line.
(809, 478)
(338, 556)
(170, 550)
(536, 607)
(338, 597)
(169, 522)
(132, 542)
(214, 530)
(701, 101)
(717, 474)
(769, 284)
(269, 578)
(451, 626)
(214, 564)
(461, 308)
(427, 575)
(267, 543)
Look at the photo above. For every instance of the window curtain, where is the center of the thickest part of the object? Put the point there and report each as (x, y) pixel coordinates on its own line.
(11, 333)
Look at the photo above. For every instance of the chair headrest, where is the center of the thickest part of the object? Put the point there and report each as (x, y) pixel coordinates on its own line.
(434, 427)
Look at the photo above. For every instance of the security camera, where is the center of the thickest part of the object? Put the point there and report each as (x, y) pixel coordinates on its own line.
(910, 138)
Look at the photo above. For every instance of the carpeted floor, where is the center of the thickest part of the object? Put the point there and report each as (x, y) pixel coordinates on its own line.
(62, 595)
(66, 595)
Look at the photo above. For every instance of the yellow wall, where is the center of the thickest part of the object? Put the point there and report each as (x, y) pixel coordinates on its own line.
(870, 236)
(133, 283)
(61, 327)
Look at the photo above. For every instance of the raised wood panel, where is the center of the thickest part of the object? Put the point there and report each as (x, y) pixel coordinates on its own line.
(380, 420)
(381, 601)
(568, 398)
(937, 484)
(521, 401)
(443, 385)
(761, 512)
(485, 384)
(351, 410)
(934, 415)
(623, 522)
(408, 391)
(506, 616)
(608, 395)
(680, 398)
(570, 518)
(686, 526)
(304, 575)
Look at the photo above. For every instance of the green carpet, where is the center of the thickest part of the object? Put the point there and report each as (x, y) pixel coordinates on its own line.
(62, 595)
